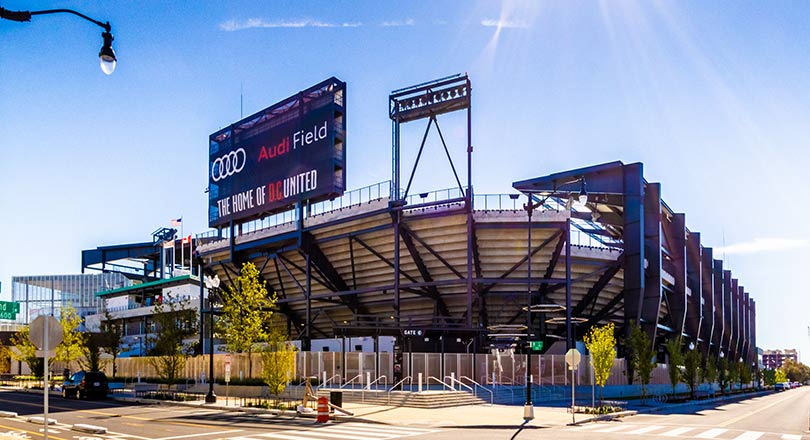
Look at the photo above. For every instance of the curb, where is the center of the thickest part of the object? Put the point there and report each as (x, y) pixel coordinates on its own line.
(8, 414)
(41, 420)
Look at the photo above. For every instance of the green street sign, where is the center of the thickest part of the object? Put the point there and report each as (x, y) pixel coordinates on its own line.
(536, 345)
(9, 310)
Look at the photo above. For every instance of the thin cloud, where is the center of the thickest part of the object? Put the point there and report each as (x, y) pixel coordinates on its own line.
(258, 23)
(504, 24)
(408, 22)
(760, 245)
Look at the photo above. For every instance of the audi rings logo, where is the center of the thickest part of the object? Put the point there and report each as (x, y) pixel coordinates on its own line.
(228, 165)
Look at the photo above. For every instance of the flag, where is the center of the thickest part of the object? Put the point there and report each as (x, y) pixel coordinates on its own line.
(177, 221)
(187, 239)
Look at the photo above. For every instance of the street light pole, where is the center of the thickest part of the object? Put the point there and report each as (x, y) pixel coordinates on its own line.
(213, 285)
(106, 55)
(528, 407)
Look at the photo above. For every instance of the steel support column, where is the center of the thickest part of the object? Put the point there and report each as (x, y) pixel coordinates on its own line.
(694, 309)
(652, 238)
(633, 237)
(707, 290)
(677, 253)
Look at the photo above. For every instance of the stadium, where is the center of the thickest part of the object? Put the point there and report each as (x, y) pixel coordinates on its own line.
(449, 270)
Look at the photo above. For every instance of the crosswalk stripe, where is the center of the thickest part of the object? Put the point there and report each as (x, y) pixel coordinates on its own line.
(749, 435)
(584, 427)
(313, 434)
(351, 432)
(712, 433)
(387, 428)
(645, 429)
(614, 428)
(791, 437)
(676, 432)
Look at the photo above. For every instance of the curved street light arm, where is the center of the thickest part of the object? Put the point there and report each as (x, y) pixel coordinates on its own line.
(23, 16)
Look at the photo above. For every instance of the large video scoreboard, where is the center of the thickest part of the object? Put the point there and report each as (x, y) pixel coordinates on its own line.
(292, 151)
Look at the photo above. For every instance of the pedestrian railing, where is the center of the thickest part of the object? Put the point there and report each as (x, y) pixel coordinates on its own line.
(394, 387)
(359, 378)
(477, 385)
(438, 381)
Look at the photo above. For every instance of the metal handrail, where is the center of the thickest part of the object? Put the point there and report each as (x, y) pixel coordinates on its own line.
(398, 384)
(368, 387)
(491, 394)
(437, 380)
(360, 376)
(326, 382)
(453, 379)
(385, 382)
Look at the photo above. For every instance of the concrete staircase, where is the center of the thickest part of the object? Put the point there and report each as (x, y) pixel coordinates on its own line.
(425, 399)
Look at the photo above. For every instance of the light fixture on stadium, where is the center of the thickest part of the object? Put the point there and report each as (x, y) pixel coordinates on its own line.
(106, 55)
(583, 195)
(544, 308)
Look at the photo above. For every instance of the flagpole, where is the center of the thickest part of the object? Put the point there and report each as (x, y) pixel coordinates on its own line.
(182, 248)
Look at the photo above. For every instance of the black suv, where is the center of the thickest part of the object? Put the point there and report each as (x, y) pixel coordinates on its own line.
(85, 384)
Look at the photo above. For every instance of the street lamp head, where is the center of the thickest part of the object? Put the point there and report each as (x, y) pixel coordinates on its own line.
(106, 55)
(691, 346)
(583, 195)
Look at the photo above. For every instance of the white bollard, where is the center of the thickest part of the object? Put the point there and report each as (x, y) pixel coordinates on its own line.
(453, 380)
(493, 378)
(368, 379)
(420, 382)
(323, 382)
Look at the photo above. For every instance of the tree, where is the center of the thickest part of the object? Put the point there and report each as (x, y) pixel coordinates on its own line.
(278, 361)
(746, 376)
(722, 374)
(27, 352)
(795, 371)
(733, 374)
(709, 372)
(780, 376)
(673, 347)
(73, 340)
(245, 311)
(174, 322)
(642, 357)
(769, 377)
(92, 355)
(112, 336)
(601, 345)
(691, 370)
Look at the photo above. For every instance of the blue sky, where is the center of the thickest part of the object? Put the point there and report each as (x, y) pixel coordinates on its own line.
(711, 96)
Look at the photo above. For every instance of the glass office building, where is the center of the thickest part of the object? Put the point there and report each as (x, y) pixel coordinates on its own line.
(41, 294)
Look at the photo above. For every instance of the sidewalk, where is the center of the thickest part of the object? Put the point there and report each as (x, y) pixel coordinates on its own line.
(472, 416)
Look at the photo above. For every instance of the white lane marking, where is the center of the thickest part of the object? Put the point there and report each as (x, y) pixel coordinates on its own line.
(791, 437)
(200, 434)
(676, 432)
(645, 429)
(615, 428)
(712, 433)
(122, 435)
(749, 435)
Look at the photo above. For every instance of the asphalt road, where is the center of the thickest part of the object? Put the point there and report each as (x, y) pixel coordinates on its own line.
(782, 416)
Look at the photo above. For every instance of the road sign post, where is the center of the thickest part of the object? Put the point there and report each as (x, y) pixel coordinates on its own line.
(227, 376)
(572, 358)
(44, 332)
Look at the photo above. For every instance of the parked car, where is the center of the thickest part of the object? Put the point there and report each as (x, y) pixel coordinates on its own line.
(86, 384)
(781, 386)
